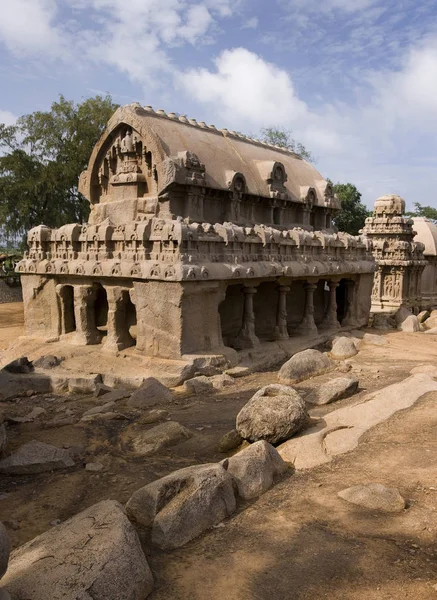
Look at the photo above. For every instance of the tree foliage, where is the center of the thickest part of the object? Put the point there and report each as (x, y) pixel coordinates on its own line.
(279, 136)
(353, 212)
(423, 211)
(41, 158)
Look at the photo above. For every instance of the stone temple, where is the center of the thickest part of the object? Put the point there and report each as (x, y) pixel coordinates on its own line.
(199, 240)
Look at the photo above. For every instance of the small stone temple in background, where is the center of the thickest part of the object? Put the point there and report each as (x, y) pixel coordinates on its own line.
(399, 257)
(199, 240)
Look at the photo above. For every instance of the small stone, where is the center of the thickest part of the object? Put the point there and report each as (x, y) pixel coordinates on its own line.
(94, 467)
(36, 457)
(238, 371)
(99, 409)
(375, 340)
(343, 347)
(166, 434)
(47, 362)
(302, 365)
(150, 393)
(153, 416)
(410, 324)
(337, 388)
(230, 441)
(198, 385)
(374, 496)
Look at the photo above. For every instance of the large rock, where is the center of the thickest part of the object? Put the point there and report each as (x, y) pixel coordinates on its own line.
(410, 324)
(401, 314)
(303, 365)
(4, 550)
(430, 323)
(169, 433)
(337, 388)
(20, 365)
(273, 414)
(201, 384)
(374, 496)
(255, 469)
(231, 440)
(150, 393)
(36, 457)
(95, 555)
(185, 503)
(343, 347)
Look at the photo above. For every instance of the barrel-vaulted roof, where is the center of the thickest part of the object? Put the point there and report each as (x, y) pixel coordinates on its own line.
(426, 232)
(224, 154)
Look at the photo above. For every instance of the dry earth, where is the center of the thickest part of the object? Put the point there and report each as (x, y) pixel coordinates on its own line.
(298, 541)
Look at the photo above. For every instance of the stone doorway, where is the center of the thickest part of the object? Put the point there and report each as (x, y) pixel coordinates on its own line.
(68, 323)
(101, 309)
(231, 314)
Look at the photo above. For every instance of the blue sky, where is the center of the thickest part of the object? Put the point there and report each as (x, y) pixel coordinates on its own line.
(356, 80)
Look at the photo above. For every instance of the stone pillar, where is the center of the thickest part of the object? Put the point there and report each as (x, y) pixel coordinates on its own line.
(308, 325)
(66, 310)
(351, 311)
(246, 337)
(86, 330)
(330, 321)
(281, 331)
(118, 336)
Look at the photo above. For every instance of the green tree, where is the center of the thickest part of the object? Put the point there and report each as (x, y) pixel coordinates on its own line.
(279, 136)
(423, 211)
(353, 212)
(41, 158)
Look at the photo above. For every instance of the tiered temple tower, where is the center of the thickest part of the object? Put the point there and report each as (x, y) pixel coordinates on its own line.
(400, 259)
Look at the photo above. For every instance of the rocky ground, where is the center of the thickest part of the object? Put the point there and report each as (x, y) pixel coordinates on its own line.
(299, 540)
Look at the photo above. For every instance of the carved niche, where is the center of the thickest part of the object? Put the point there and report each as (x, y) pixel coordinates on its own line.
(194, 169)
(125, 170)
(276, 181)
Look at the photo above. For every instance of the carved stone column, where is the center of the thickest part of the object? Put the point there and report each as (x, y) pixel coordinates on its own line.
(351, 311)
(118, 336)
(67, 323)
(246, 337)
(308, 325)
(281, 331)
(330, 321)
(86, 330)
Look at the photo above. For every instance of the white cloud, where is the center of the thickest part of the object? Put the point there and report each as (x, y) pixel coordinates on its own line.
(245, 88)
(251, 23)
(26, 26)
(326, 6)
(7, 117)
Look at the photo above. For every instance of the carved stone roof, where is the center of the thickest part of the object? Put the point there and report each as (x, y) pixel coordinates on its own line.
(426, 233)
(214, 158)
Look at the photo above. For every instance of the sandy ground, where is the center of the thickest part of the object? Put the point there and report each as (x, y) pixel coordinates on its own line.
(299, 541)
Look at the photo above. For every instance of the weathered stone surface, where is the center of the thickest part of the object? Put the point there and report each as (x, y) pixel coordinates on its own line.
(303, 365)
(4, 594)
(343, 347)
(274, 413)
(4, 550)
(374, 496)
(20, 365)
(3, 439)
(255, 469)
(47, 362)
(238, 371)
(152, 416)
(36, 457)
(375, 340)
(432, 331)
(95, 555)
(430, 323)
(166, 434)
(383, 321)
(423, 315)
(151, 392)
(401, 314)
(185, 503)
(198, 385)
(102, 389)
(337, 388)
(410, 324)
(341, 429)
(84, 385)
(230, 441)
(429, 369)
(221, 381)
(108, 407)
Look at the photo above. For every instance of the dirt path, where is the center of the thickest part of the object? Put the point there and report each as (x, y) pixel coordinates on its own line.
(299, 541)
